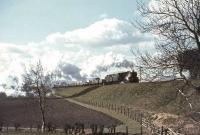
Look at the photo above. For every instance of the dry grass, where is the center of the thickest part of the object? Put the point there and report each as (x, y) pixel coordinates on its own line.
(67, 92)
(15, 133)
(162, 98)
(133, 126)
(157, 97)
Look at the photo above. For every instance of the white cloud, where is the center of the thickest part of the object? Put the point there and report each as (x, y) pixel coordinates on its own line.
(154, 4)
(146, 46)
(106, 32)
(100, 43)
(101, 60)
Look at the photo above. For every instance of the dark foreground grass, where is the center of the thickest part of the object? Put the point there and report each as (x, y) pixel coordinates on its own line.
(26, 112)
(29, 133)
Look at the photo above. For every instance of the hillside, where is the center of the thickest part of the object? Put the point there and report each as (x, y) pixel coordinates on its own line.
(159, 96)
(26, 112)
(162, 99)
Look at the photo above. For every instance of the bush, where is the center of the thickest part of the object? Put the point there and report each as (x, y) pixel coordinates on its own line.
(51, 127)
(3, 95)
(38, 127)
(67, 128)
(1, 126)
(17, 126)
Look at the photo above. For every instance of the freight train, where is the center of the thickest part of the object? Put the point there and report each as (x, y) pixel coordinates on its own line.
(123, 77)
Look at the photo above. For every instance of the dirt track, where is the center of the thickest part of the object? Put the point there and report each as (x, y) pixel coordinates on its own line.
(26, 112)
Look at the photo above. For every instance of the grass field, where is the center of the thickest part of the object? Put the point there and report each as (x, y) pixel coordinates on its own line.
(158, 97)
(169, 107)
(26, 133)
(60, 112)
(72, 91)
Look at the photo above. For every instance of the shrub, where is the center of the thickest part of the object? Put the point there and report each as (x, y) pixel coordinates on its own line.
(1, 126)
(3, 95)
(17, 126)
(67, 127)
(51, 127)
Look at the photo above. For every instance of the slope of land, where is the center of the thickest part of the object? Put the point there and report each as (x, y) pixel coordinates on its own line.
(133, 126)
(161, 98)
(60, 112)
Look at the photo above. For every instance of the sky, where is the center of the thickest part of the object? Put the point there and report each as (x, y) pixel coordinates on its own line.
(76, 36)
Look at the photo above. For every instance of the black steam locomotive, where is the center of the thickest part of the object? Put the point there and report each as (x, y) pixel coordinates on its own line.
(123, 77)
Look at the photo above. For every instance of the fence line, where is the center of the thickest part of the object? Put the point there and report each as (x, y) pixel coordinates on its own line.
(137, 115)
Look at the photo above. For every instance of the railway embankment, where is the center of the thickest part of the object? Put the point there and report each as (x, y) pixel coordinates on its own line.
(160, 102)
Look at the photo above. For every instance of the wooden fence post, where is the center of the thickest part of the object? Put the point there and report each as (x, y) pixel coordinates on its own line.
(162, 130)
(128, 112)
(132, 116)
(141, 124)
(126, 130)
(135, 116)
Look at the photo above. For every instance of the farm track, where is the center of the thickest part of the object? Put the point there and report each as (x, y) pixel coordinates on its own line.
(133, 126)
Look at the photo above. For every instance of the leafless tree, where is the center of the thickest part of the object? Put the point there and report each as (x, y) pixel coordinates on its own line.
(38, 83)
(176, 26)
(176, 23)
(12, 83)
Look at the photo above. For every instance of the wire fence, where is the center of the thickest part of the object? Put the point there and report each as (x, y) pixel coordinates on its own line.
(140, 116)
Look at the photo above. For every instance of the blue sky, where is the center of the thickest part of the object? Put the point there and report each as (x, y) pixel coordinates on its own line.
(23, 21)
(78, 37)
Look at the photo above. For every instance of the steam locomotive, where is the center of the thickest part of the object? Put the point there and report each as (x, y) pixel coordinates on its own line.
(123, 77)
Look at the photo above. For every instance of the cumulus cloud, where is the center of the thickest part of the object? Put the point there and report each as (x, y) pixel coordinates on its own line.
(71, 72)
(82, 50)
(155, 4)
(100, 65)
(106, 32)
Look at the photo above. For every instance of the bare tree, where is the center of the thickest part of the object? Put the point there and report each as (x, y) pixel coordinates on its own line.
(176, 23)
(176, 26)
(12, 83)
(38, 83)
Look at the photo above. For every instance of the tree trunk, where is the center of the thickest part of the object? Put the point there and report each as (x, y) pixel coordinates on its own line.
(43, 113)
(42, 109)
(198, 42)
(43, 121)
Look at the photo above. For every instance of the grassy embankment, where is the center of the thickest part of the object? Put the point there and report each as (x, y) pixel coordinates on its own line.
(157, 97)
(167, 106)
